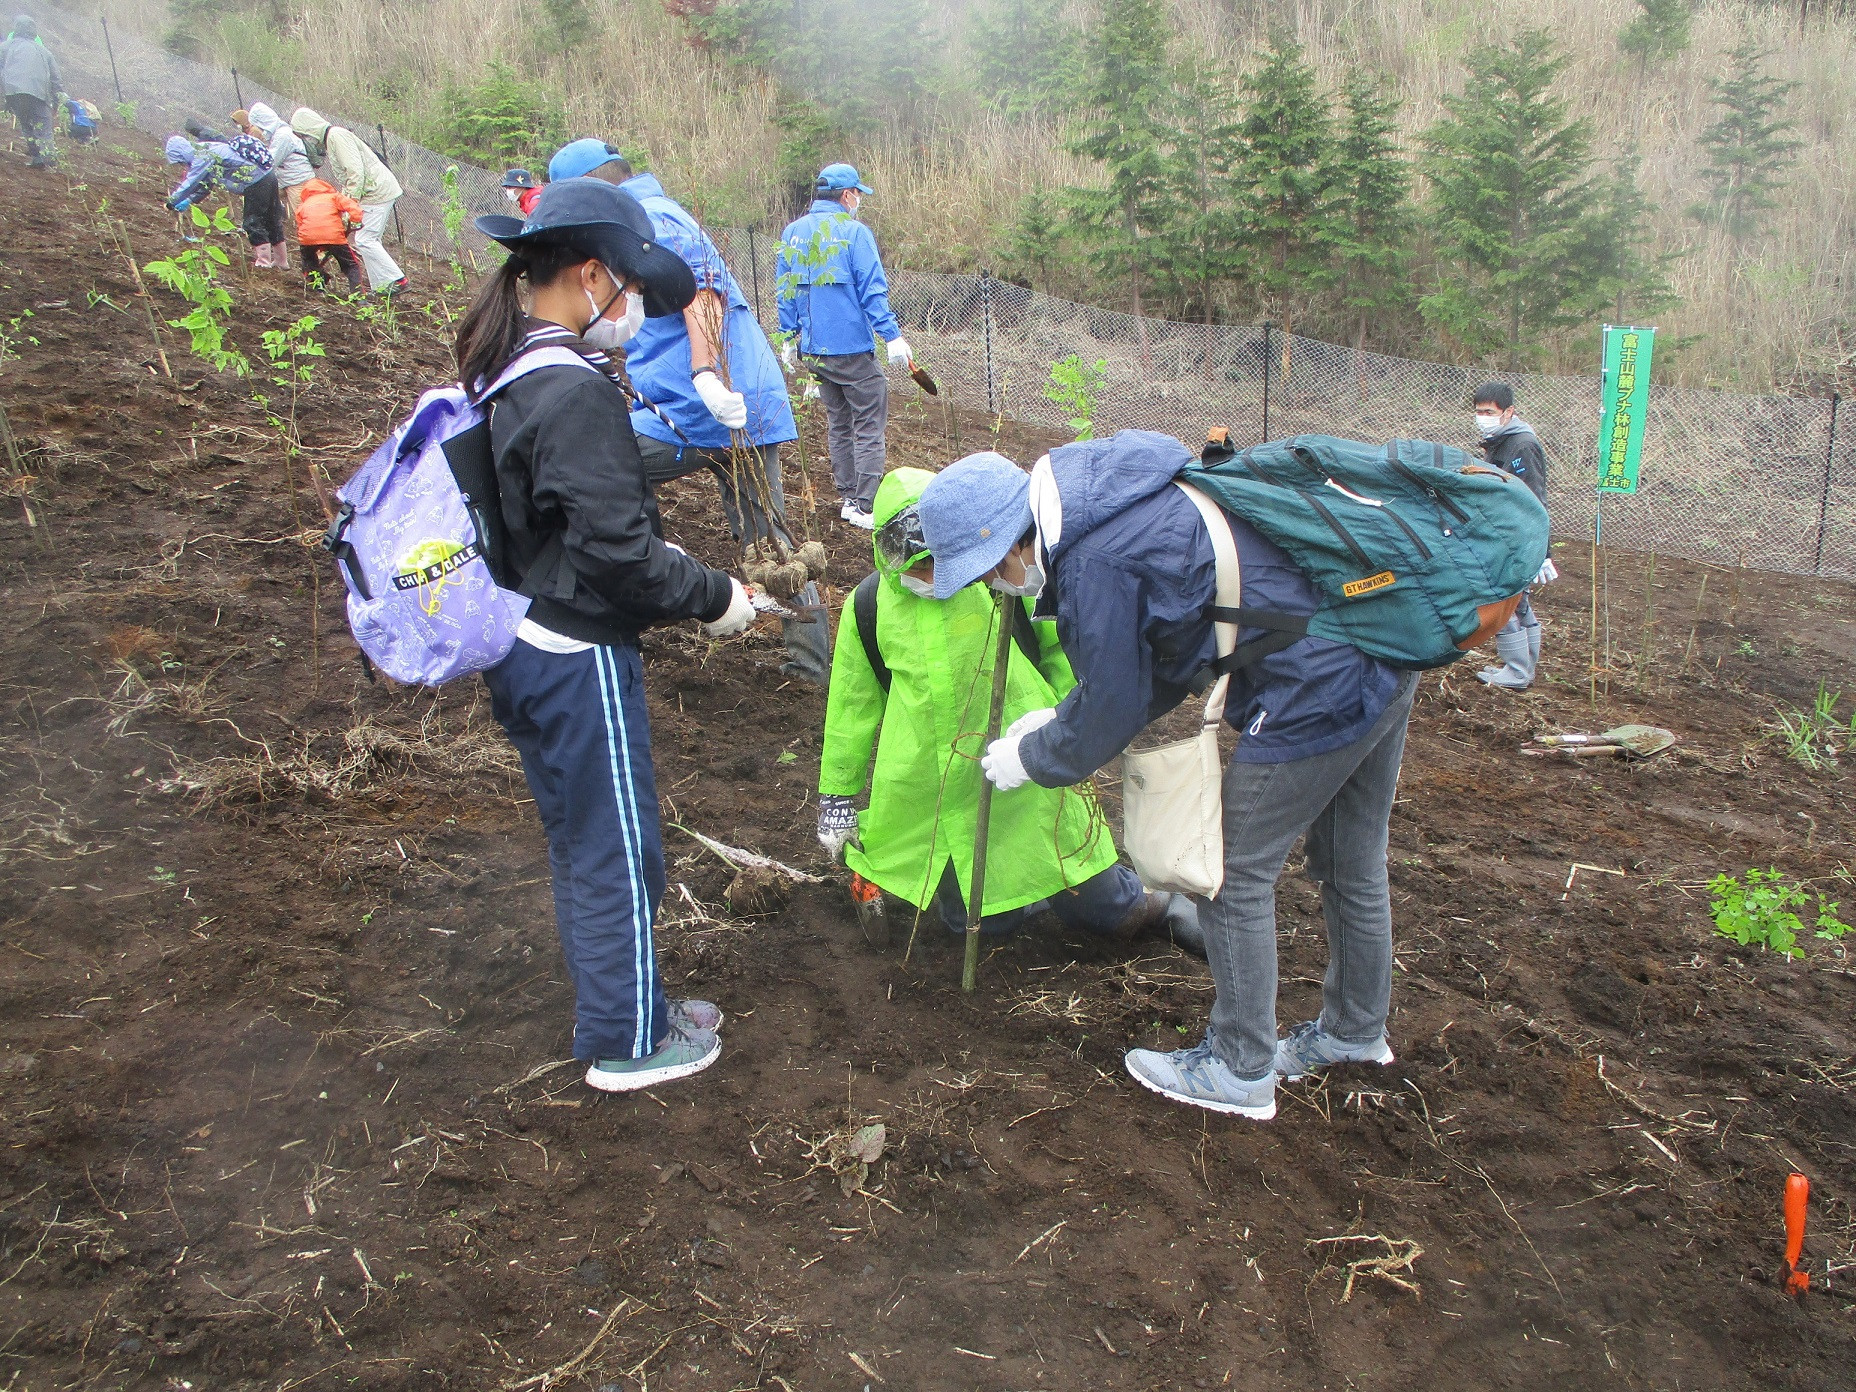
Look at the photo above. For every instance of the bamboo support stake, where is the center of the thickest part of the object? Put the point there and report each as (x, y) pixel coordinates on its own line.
(976, 892)
(148, 304)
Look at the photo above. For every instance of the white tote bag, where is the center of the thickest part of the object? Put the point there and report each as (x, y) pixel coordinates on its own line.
(1172, 797)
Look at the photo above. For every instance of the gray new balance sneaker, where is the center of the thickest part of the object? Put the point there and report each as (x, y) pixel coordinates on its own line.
(1199, 1078)
(1310, 1047)
(696, 1016)
(682, 1053)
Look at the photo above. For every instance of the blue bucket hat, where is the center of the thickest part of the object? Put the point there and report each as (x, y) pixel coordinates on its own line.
(608, 224)
(972, 514)
(835, 178)
(578, 158)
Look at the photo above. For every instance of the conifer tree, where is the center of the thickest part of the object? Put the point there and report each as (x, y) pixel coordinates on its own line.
(1511, 200)
(1196, 242)
(1659, 31)
(1748, 147)
(1370, 184)
(1122, 128)
(1024, 55)
(1284, 169)
(1631, 280)
(1037, 239)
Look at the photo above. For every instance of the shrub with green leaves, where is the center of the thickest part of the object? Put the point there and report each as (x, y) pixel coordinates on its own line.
(194, 276)
(1074, 388)
(1762, 910)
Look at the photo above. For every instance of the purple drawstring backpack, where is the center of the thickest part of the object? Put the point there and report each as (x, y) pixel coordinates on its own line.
(411, 533)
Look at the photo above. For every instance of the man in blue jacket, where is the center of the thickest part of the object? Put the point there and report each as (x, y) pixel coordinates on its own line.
(684, 366)
(1124, 562)
(834, 305)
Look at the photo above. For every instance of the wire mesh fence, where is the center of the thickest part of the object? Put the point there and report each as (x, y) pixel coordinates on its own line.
(1757, 481)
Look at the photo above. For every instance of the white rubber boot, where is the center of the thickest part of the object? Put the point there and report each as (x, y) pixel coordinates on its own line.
(1517, 670)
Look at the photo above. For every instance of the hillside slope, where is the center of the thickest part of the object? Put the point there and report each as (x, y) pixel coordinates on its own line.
(283, 1019)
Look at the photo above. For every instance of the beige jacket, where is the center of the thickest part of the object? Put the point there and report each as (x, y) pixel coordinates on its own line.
(353, 165)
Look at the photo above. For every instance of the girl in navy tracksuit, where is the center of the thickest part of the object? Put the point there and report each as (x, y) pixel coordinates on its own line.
(579, 533)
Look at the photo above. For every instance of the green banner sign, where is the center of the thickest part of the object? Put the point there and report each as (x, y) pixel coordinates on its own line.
(1626, 394)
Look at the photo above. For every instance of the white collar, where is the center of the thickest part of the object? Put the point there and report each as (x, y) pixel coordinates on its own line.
(1046, 508)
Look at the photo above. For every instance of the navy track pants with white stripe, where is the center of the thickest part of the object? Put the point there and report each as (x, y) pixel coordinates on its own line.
(579, 722)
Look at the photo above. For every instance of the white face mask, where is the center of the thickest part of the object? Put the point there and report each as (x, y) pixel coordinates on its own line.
(1487, 425)
(1029, 588)
(633, 318)
(514, 195)
(917, 586)
(611, 333)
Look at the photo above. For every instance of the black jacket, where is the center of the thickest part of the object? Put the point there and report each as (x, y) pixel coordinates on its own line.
(581, 531)
(1517, 450)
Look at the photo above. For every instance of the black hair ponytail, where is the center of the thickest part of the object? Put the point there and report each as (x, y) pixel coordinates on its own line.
(493, 327)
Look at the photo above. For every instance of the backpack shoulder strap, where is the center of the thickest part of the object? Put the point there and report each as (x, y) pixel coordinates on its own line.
(1229, 594)
(532, 360)
(863, 611)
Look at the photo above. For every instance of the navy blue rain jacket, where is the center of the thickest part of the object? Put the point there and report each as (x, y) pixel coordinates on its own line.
(1133, 579)
(836, 305)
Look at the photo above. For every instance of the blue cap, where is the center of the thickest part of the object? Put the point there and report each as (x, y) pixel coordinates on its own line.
(972, 514)
(608, 224)
(581, 157)
(835, 178)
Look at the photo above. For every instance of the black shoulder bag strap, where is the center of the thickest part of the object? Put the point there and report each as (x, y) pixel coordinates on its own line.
(863, 610)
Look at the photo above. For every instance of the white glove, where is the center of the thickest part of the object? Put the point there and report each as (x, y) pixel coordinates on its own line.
(1031, 720)
(728, 407)
(811, 393)
(789, 355)
(738, 615)
(1002, 765)
(837, 824)
(900, 352)
(1548, 573)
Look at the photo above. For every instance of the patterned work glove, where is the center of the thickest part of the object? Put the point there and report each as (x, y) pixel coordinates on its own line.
(1548, 573)
(837, 824)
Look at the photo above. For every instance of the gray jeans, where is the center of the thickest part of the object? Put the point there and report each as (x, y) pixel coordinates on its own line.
(808, 639)
(1343, 801)
(856, 397)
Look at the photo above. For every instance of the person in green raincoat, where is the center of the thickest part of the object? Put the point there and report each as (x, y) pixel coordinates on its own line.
(920, 712)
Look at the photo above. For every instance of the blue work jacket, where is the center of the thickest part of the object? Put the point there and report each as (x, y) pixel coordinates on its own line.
(833, 293)
(1132, 580)
(658, 359)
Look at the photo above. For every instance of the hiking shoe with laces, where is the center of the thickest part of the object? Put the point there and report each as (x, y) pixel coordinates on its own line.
(1309, 1047)
(1199, 1078)
(696, 1016)
(682, 1053)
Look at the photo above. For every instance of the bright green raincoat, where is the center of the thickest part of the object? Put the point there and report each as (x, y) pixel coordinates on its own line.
(927, 733)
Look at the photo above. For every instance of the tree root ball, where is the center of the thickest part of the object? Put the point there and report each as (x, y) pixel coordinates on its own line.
(757, 891)
(812, 556)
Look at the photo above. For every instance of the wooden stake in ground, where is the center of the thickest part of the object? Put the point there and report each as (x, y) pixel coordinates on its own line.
(976, 891)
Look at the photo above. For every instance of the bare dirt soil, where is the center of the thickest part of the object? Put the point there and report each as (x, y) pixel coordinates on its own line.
(282, 1012)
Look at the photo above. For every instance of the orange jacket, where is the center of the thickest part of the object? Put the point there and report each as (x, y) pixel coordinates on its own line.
(325, 214)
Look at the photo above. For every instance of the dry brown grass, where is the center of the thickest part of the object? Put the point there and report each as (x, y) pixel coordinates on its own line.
(946, 195)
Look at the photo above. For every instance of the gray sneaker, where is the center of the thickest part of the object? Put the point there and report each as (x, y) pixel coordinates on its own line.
(682, 1053)
(1310, 1047)
(696, 1016)
(1199, 1078)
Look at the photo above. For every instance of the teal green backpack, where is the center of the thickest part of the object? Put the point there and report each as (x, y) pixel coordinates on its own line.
(1419, 551)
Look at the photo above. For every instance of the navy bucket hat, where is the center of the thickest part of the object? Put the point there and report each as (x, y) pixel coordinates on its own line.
(608, 224)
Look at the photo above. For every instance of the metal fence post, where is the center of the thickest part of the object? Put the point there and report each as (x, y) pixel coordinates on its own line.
(754, 263)
(986, 315)
(237, 90)
(1823, 499)
(1268, 353)
(111, 48)
(380, 129)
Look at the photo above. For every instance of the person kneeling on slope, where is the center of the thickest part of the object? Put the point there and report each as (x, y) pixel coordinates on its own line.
(911, 680)
(580, 533)
(1131, 581)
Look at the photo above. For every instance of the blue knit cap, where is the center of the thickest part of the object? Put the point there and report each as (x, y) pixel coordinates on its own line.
(972, 514)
